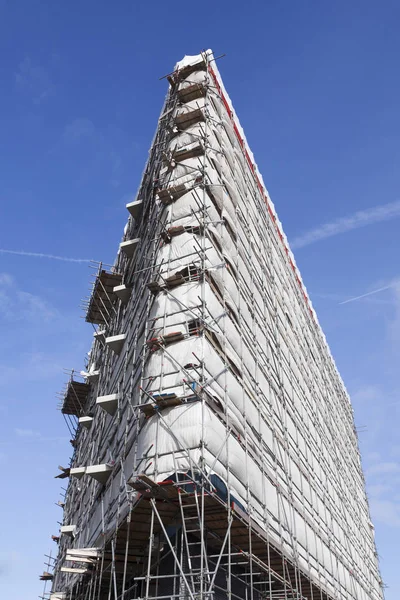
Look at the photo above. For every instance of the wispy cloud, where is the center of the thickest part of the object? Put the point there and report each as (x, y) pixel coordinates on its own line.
(35, 307)
(361, 218)
(78, 129)
(41, 255)
(367, 393)
(392, 300)
(27, 433)
(382, 486)
(7, 374)
(382, 468)
(6, 280)
(394, 330)
(33, 435)
(34, 80)
(36, 367)
(17, 304)
(382, 289)
(385, 511)
(8, 561)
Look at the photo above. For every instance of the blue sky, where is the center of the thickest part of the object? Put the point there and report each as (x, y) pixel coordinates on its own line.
(316, 86)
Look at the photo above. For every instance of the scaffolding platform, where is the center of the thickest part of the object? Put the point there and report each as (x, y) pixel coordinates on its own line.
(116, 342)
(78, 571)
(75, 397)
(192, 92)
(85, 421)
(185, 153)
(123, 292)
(100, 473)
(100, 335)
(77, 472)
(135, 208)
(109, 403)
(154, 287)
(129, 247)
(68, 530)
(91, 376)
(185, 71)
(64, 473)
(188, 118)
(165, 340)
(174, 280)
(80, 553)
(161, 402)
(102, 299)
(248, 539)
(170, 194)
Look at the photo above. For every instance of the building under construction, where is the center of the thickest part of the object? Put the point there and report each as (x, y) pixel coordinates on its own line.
(215, 453)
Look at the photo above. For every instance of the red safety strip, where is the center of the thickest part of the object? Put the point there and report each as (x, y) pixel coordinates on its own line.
(259, 184)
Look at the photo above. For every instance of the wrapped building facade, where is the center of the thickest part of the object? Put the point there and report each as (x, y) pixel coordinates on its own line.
(215, 452)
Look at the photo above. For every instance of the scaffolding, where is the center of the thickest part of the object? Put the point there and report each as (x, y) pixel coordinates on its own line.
(215, 454)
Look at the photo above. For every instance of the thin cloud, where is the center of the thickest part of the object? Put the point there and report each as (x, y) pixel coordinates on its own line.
(33, 435)
(78, 129)
(49, 256)
(34, 307)
(386, 512)
(382, 289)
(27, 433)
(361, 218)
(6, 280)
(383, 468)
(17, 304)
(34, 79)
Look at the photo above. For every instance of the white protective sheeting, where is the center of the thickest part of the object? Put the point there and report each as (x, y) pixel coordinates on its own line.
(229, 317)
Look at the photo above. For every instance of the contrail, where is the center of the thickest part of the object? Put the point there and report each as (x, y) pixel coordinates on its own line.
(40, 255)
(387, 287)
(362, 218)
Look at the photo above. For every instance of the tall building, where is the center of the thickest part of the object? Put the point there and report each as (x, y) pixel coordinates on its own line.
(215, 454)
